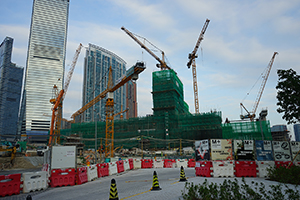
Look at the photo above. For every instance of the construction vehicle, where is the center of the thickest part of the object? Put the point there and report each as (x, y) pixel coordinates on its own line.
(162, 64)
(251, 115)
(192, 57)
(9, 150)
(57, 103)
(131, 73)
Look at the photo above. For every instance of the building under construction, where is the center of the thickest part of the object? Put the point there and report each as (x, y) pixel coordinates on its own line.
(170, 126)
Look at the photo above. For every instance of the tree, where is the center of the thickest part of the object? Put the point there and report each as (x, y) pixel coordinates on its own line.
(288, 95)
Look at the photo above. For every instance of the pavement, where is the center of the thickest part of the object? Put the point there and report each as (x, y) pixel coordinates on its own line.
(135, 185)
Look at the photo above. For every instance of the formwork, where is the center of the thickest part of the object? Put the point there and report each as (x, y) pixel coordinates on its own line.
(247, 130)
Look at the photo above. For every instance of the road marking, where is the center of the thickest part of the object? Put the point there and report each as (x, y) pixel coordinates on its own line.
(135, 195)
(175, 182)
(138, 181)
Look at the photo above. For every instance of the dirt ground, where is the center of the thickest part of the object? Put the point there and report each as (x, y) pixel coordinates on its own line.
(19, 163)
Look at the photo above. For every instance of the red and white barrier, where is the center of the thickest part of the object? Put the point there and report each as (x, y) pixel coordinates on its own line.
(245, 169)
(62, 177)
(137, 164)
(103, 169)
(147, 163)
(169, 163)
(34, 181)
(223, 168)
(120, 166)
(263, 167)
(126, 165)
(113, 168)
(158, 163)
(82, 176)
(10, 184)
(181, 162)
(204, 168)
(191, 163)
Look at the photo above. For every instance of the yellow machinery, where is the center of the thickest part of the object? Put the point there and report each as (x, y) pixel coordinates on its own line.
(162, 64)
(57, 103)
(192, 57)
(251, 115)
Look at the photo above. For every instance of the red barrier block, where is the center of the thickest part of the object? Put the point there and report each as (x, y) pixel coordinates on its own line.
(147, 163)
(191, 163)
(103, 169)
(130, 163)
(62, 177)
(169, 163)
(284, 164)
(10, 184)
(81, 175)
(203, 168)
(120, 166)
(245, 169)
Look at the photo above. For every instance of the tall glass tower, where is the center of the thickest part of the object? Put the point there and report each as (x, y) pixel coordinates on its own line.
(11, 78)
(45, 62)
(97, 62)
(297, 132)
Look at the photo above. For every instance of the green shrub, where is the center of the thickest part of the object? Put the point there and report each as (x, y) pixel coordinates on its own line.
(232, 190)
(284, 175)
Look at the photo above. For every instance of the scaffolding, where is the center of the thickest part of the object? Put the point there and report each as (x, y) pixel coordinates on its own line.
(256, 130)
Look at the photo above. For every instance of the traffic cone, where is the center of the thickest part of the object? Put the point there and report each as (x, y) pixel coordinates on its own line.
(182, 175)
(29, 197)
(113, 194)
(155, 185)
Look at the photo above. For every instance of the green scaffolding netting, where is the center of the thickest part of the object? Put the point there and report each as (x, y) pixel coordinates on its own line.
(256, 130)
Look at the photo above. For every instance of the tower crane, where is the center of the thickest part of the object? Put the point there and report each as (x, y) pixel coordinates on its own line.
(251, 115)
(162, 64)
(192, 57)
(131, 73)
(57, 102)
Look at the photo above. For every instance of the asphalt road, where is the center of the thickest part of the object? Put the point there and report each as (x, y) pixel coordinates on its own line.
(133, 185)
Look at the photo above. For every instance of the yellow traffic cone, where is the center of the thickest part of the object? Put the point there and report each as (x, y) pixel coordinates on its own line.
(113, 194)
(182, 175)
(155, 185)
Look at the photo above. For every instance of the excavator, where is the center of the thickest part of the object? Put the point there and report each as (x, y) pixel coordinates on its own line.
(251, 115)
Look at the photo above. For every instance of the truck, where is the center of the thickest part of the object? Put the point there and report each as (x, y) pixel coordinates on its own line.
(41, 150)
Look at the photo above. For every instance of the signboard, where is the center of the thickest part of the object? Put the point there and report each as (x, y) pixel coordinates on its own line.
(221, 149)
(243, 149)
(295, 147)
(281, 150)
(263, 150)
(202, 150)
(63, 157)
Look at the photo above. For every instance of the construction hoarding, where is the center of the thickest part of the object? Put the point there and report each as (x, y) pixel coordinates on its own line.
(202, 150)
(263, 149)
(281, 150)
(243, 149)
(221, 149)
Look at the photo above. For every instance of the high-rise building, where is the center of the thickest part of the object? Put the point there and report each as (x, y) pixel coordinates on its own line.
(11, 78)
(297, 132)
(280, 133)
(96, 66)
(131, 100)
(45, 62)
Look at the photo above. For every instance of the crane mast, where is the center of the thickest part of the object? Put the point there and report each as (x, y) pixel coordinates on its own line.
(162, 64)
(57, 102)
(192, 56)
(251, 115)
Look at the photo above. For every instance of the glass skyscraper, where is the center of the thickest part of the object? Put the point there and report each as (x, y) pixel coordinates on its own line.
(45, 62)
(11, 78)
(297, 132)
(96, 66)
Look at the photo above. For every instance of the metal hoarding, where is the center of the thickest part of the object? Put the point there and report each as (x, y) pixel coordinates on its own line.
(202, 150)
(295, 148)
(263, 149)
(243, 149)
(281, 150)
(221, 149)
(63, 157)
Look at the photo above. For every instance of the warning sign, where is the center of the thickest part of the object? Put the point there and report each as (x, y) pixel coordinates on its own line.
(221, 149)
(243, 149)
(281, 151)
(202, 150)
(295, 147)
(263, 150)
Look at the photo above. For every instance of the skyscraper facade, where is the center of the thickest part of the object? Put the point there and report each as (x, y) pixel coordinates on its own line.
(11, 78)
(96, 66)
(45, 62)
(297, 132)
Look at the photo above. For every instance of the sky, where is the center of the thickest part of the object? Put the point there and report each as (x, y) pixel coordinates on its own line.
(236, 50)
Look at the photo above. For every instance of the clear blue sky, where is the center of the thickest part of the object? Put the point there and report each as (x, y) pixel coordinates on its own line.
(237, 46)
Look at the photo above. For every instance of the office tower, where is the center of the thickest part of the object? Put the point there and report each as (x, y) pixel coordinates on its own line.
(45, 62)
(11, 78)
(280, 133)
(131, 100)
(297, 132)
(96, 66)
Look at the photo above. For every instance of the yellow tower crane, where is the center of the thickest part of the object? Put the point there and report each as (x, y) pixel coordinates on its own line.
(192, 57)
(251, 115)
(131, 73)
(57, 103)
